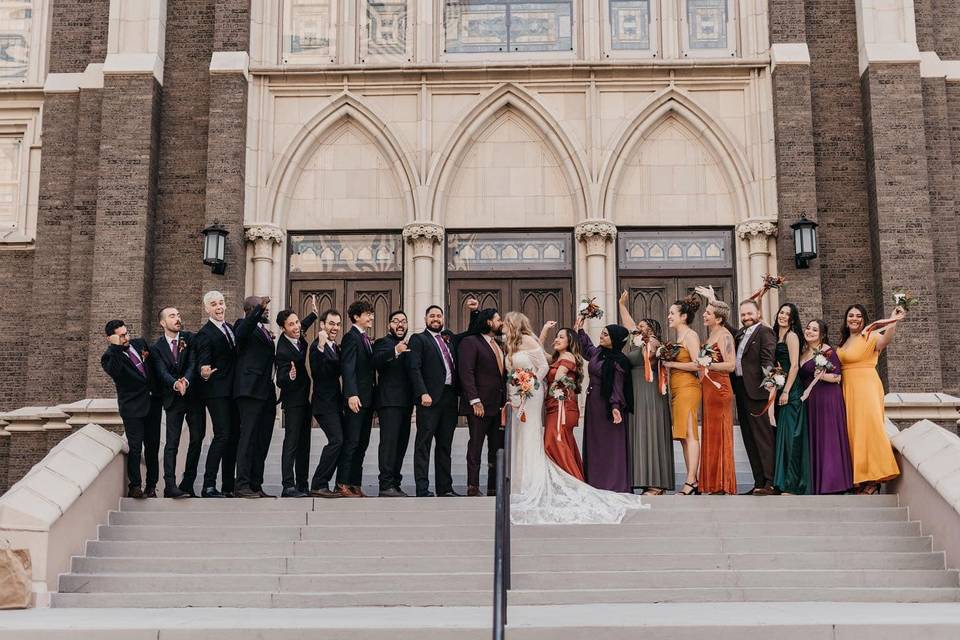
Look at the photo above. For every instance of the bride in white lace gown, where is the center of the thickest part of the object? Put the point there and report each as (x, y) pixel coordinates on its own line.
(541, 492)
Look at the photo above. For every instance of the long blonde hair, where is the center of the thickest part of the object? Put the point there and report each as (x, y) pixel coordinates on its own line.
(515, 326)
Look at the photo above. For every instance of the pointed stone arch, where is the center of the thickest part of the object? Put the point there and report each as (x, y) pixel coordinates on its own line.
(344, 111)
(507, 101)
(675, 107)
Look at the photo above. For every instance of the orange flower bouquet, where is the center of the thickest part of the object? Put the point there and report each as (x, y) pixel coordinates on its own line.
(525, 381)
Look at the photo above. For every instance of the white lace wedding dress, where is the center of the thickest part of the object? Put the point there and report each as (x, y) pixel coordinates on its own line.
(541, 492)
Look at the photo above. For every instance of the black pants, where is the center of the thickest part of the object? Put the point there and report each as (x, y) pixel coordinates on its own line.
(196, 423)
(759, 438)
(332, 425)
(223, 447)
(256, 429)
(295, 458)
(436, 422)
(394, 437)
(143, 438)
(487, 427)
(356, 438)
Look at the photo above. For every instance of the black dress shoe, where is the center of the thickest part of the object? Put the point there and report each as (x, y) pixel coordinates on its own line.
(246, 493)
(211, 492)
(187, 489)
(229, 494)
(392, 492)
(324, 492)
(264, 494)
(425, 494)
(136, 493)
(150, 493)
(291, 492)
(175, 493)
(451, 494)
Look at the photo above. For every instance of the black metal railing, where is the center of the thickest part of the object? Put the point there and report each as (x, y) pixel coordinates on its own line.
(501, 549)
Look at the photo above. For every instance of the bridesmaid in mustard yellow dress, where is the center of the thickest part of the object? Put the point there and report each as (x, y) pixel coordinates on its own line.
(685, 389)
(870, 450)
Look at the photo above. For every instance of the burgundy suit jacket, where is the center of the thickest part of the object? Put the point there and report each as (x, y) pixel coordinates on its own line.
(480, 376)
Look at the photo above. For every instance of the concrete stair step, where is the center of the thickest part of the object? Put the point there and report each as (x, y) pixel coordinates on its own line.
(470, 547)
(422, 505)
(546, 562)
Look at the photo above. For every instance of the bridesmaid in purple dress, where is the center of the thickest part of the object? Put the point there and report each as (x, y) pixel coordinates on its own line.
(831, 469)
(609, 401)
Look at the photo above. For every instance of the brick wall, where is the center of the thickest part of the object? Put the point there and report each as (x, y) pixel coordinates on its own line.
(232, 25)
(15, 321)
(78, 34)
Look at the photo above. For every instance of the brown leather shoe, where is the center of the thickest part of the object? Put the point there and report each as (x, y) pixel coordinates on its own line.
(357, 491)
(763, 491)
(324, 492)
(346, 491)
(473, 492)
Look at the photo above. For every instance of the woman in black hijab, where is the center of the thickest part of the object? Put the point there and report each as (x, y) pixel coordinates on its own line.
(609, 402)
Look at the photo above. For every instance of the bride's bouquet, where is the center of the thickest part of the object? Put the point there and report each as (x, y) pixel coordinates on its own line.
(525, 381)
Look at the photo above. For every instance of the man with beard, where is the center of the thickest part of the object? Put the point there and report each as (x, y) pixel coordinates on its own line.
(482, 396)
(359, 380)
(294, 382)
(175, 367)
(327, 403)
(756, 344)
(216, 357)
(433, 375)
(393, 399)
(255, 395)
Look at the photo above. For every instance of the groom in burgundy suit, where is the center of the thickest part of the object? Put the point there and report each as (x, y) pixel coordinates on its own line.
(482, 396)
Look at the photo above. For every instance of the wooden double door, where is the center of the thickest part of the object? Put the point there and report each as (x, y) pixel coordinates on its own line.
(651, 297)
(384, 294)
(541, 299)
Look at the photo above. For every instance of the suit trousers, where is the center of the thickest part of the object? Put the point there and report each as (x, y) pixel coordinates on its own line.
(256, 428)
(332, 424)
(295, 458)
(143, 439)
(759, 438)
(356, 438)
(487, 427)
(394, 438)
(436, 422)
(196, 423)
(223, 447)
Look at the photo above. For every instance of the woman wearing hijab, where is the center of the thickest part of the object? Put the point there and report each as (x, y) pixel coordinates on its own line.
(609, 402)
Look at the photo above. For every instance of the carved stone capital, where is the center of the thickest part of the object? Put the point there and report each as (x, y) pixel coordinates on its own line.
(756, 228)
(595, 234)
(423, 235)
(263, 231)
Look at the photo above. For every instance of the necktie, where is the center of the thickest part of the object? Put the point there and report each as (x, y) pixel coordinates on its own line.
(447, 358)
(497, 353)
(226, 331)
(174, 350)
(137, 362)
(266, 334)
(366, 341)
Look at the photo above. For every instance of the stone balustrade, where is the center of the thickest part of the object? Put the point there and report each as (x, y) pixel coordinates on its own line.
(904, 409)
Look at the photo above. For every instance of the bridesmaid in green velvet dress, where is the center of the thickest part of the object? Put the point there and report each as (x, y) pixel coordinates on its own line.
(792, 470)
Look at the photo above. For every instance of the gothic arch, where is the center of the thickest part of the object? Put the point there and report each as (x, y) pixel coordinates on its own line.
(675, 103)
(485, 113)
(345, 108)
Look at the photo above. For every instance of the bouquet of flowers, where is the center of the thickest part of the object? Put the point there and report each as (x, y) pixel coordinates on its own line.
(905, 300)
(774, 379)
(526, 382)
(562, 389)
(707, 356)
(821, 365)
(769, 282)
(590, 309)
(667, 352)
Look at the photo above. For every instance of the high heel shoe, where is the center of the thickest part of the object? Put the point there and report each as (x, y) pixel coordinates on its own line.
(694, 489)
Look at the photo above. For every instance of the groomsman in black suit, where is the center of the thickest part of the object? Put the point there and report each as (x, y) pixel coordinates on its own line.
(756, 344)
(393, 398)
(175, 366)
(358, 383)
(482, 397)
(216, 358)
(294, 382)
(327, 403)
(433, 375)
(256, 395)
(126, 361)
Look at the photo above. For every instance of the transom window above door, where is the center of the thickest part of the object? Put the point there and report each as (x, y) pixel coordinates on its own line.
(483, 26)
(345, 253)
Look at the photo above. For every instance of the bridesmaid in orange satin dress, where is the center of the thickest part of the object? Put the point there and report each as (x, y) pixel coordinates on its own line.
(559, 442)
(717, 473)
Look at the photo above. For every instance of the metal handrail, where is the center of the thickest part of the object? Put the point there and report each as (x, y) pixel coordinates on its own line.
(501, 550)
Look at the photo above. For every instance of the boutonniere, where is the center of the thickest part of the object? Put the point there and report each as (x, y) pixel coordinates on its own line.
(144, 354)
(446, 337)
(181, 345)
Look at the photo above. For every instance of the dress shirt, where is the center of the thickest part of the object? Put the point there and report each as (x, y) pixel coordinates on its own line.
(743, 347)
(448, 376)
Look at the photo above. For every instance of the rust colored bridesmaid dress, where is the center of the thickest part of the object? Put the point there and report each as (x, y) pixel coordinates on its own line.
(717, 473)
(558, 437)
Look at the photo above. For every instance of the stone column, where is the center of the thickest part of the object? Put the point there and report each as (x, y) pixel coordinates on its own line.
(900, 216)
(263, 237)
(758, 233)
(596, 235)
(422, 236)
(122, 280)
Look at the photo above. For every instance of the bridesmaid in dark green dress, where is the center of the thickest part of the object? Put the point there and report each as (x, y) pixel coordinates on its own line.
(792, 470)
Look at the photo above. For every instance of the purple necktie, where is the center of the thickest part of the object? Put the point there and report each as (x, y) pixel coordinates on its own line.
(173, 348)
(137, 362)
(266, 334)
(366, 341)
(446, 352)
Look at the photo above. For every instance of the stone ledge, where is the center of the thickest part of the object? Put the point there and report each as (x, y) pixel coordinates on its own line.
(789, 53)
(904, 409)
(935, 453)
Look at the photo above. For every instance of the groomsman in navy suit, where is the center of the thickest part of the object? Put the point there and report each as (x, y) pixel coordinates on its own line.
(216, 358)
(294, 382)
(358, 384)
(126, 361)
(175, 367)
(255, 394)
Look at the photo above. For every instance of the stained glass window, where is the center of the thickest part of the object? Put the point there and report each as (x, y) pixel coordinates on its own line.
(496, 251)
(16, 23)
(309, 30)
(478, 26)
(386, 28)
(345, 253)
(708, 249)
(707, 24)
(630, 25)
(9, 180)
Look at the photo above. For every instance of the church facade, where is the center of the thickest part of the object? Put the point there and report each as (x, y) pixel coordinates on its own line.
(419, 152)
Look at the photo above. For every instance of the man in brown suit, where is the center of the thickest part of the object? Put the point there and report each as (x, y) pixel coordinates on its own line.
(756, 344)
(482, 396)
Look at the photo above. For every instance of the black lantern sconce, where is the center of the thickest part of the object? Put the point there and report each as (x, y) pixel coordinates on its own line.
(804, 242)
(215, 247)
